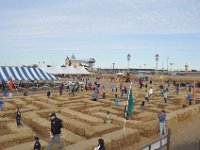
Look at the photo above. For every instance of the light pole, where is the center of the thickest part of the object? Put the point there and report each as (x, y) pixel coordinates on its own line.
(113, 68)
(128, 59)
(167, 64)
(144, 66)
(171, 64)
(157, 58)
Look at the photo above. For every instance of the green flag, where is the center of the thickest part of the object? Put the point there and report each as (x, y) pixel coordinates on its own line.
(130, 101)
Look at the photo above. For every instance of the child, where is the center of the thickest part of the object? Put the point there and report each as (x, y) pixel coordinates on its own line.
(165, 96)
(147, 96)
(177, 90)
(18, 117)
(104, 92)
(37, 145)
(108, 118)
(1, 103)
(143, 103)
(48, 93)
(116, 100)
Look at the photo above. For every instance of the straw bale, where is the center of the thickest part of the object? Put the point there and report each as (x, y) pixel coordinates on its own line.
(5, 120)
(29, 99)
(8, 106)
(105, 128)
(171, 119)
(70, 101)
(13, 128)
(76, 97)
(145, 116)
(184, 114)
(42, 105)
(41, 125)
(14, 139)
(73, 125)
(55, 103)
(71, 137)
(195, 109)
(19, 103)
(80, 116)
(26, 146)
(149, 128)
(120, 138)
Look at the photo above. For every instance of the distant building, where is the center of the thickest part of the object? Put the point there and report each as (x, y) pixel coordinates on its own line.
(79, 62)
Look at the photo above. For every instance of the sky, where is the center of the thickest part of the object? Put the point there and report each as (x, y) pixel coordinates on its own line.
(33, 31)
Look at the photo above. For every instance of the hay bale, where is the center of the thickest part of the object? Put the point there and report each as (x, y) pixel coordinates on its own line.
(184, 114)
(80, 116)
(8, 106)
(149, 128)
(41, 126)
(116, 140)
(19, 103)
(26, 146)
(171, 119)
(14, 139)
(13, 128)
(71, 137)
(145, 116)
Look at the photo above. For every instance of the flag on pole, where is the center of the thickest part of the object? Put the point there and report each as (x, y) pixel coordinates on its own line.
(10, 84)
(130, 100)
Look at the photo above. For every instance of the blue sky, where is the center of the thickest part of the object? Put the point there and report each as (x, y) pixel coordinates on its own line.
(32, 31)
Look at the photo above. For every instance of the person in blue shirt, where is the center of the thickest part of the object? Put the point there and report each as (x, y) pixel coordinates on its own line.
(95, 96)
(189, 98)
(162, 120)
(1, 103)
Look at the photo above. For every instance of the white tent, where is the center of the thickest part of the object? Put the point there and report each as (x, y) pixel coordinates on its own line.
(65, 70)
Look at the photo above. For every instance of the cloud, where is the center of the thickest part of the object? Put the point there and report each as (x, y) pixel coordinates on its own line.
(102, 17)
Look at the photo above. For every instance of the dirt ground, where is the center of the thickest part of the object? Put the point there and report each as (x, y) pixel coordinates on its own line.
(186, 134)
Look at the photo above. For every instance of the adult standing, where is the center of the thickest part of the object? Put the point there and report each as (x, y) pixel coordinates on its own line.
(162, 119)
(56, 125)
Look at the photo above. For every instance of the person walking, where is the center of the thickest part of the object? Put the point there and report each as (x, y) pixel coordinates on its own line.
(162, 120)
(56, 125)
(18, 117)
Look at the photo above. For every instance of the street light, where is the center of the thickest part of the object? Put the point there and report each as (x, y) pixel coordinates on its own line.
(128, 59)
(144, 66)
(157, 58)
(113, 68)
(167, 64)
(171, 64)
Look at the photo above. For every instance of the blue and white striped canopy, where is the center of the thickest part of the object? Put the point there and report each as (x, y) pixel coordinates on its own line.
(24, 73)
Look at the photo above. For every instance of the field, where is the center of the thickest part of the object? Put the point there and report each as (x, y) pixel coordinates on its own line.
(84, 120)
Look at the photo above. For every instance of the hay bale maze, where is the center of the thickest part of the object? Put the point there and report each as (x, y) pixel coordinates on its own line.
(84, 120)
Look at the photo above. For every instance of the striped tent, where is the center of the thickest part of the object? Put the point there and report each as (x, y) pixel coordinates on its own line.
(24, 73)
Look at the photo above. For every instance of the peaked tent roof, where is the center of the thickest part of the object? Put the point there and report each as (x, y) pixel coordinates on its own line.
(24, 73)
(65, 70)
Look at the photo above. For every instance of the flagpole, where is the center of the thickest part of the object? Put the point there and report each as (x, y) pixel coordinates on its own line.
(124, 126)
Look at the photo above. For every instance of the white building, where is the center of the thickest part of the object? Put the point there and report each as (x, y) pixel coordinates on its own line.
(79, 62)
